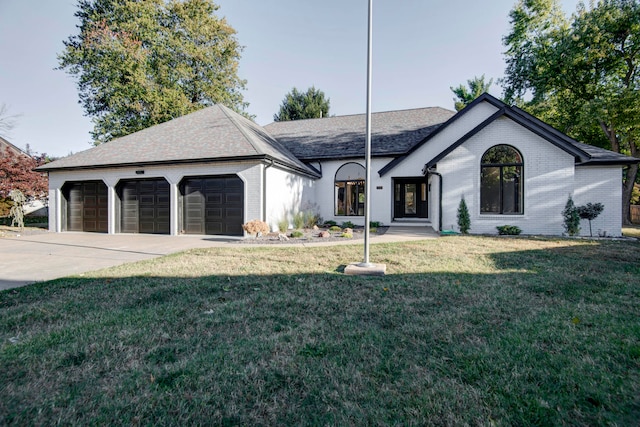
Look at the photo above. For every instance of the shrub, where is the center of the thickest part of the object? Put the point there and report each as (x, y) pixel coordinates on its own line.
(17, 210)
(335, 228)
(298, 220)
(283, 224)
(311, 218)
(375, 224)
(297, 233)
(256, 227)
(464, 221)
(348, 224)
(330, 223)
(590, 211)
(571, 218)
(347, 235)
(510, 230)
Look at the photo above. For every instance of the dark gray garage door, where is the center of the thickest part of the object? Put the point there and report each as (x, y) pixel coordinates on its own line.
(87, 206)
(144, 206)
(213, 205)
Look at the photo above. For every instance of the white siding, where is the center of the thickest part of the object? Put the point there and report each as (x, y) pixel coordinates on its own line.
(413, 165)
(601, 184)
(381, 198)
(548, 180)
(249, 172)
(287, 194)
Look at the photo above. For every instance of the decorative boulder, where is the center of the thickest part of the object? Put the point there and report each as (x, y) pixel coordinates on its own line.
(324, 234)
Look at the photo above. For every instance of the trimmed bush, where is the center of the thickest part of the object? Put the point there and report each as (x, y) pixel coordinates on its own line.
(335, 228)
(348, 224)
(571, 218)
(464, 221)
(590, 211)
(509, 230)
(297, 234)
(256, 227)
(330, 223)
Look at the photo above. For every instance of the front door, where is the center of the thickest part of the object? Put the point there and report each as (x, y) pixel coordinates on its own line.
(410, 198)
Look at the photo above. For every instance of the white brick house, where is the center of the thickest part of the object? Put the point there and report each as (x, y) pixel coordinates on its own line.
(211, 171)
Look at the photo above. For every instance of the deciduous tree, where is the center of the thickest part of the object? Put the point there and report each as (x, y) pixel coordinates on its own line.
(139, 63)
(16, 173)
(582, 75)
(466, 94)
(297, 105)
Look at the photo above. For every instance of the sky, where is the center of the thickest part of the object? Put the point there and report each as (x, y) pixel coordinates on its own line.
(421, 48)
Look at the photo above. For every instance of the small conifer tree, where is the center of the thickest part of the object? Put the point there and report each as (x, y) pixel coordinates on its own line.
(571, 218)
(464, 221)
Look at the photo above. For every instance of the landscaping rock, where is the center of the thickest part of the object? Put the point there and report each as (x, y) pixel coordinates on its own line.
(324, 234)
(283, 238)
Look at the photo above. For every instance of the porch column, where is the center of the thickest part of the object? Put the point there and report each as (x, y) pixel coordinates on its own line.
(174, 196)
(112, 214)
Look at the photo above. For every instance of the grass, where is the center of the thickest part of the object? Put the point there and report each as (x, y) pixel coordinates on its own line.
(631, 231)
(462, 331)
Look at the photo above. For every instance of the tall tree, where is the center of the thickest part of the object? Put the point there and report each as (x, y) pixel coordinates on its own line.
(582, 74)
(143, 62)
(7, 121)
(297, 105)
(466, 94)
(16, 173)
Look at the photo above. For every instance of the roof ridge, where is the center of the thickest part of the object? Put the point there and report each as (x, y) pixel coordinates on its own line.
(227, 112)
(362, 114)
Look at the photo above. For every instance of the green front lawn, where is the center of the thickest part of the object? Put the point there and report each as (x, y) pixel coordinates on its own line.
(462, 331)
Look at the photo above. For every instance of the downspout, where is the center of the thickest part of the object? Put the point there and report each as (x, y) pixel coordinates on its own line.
(264, 190)
(432, 171)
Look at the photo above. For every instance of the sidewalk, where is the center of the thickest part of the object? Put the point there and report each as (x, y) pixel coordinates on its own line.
(39, 256)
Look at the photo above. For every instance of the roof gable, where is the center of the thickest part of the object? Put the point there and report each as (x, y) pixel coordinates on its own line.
(212, 133)
(584, 154)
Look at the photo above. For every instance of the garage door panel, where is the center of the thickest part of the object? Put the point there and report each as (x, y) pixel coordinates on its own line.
(87, 206)
(218, 206)
(145, 206)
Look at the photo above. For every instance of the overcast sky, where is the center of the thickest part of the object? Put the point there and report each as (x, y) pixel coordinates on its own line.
(421, 49)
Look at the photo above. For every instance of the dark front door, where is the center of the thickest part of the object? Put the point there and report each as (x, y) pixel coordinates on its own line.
(87, 206)
(144, 206)
(410, 198)
(213, 205)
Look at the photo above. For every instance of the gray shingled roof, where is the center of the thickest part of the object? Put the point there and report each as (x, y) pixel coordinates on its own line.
(213, 133)
(393, 133)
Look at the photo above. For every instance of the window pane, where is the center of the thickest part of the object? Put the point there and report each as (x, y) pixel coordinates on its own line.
(339, 206)
(410, 199)
(350, 172)
(501, 154)
(511, 189)
(490, 190)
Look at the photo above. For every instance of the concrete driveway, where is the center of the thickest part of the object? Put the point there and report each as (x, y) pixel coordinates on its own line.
(33, 257)
(36, 256)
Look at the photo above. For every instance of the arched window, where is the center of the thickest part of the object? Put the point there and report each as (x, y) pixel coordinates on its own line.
(349, 190)
(501, 181)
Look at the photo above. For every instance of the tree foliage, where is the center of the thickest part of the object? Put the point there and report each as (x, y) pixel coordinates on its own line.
(466, 94)
(139, 63)
(7, 121)
(464, 220)
(16, 173)
(582, 74)
(297, 105)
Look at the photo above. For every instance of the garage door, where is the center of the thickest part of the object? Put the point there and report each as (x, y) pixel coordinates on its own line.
(213, 205)
(144, 206)
(87, 206)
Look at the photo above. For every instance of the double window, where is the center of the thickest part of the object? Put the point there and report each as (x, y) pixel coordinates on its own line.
(349, 190)
(501, 181)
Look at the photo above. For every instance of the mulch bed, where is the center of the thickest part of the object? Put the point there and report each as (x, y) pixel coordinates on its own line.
(309, 236)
